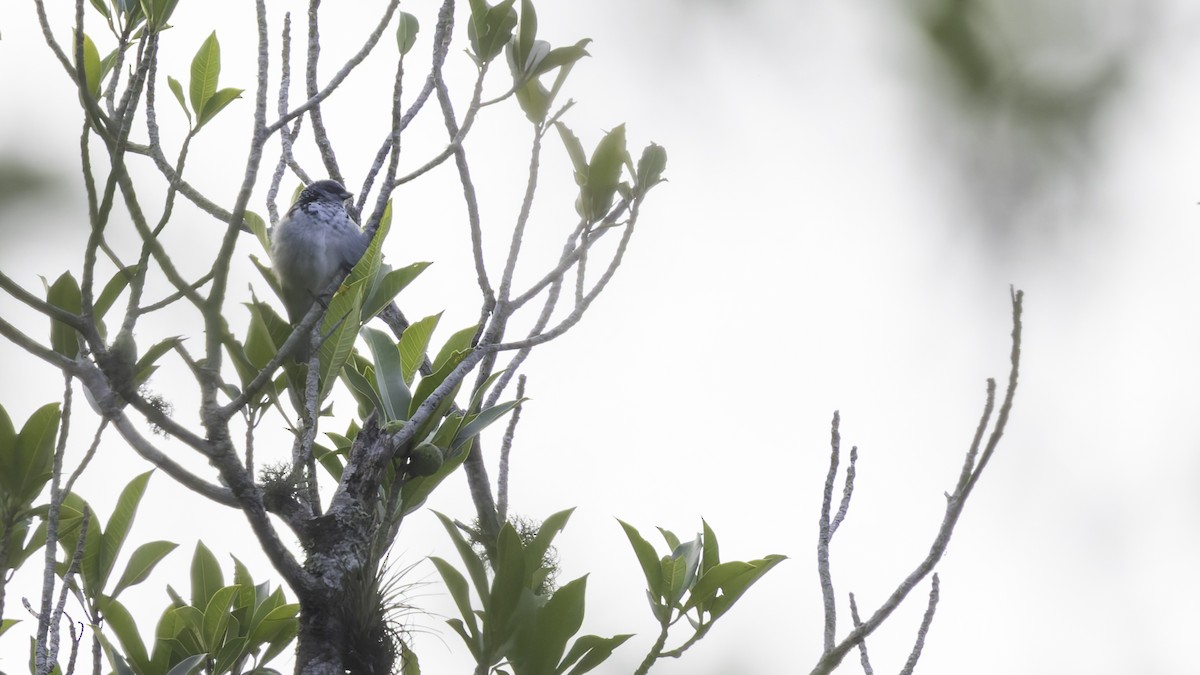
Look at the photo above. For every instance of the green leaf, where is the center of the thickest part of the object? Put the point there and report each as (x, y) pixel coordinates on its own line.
(473, 564)
(558, 621)
(119, 622)
(64, 294)
(206, 576)
(458, 344)
(647, 558)
(216, 104)
(414, 343)
(604, 172)
(527, 34)
(389, 286)
(713, 580)
(735, 587)
(27, 457)
(341, 323)
(650, 167)
(481, 421)
(91, 66)
(536, 549)
(112, 290)
(216, 617)
(507, 584)
(490, 28)
(590, 651)
(206, 71)
(575, 152)
(258, 227)
(142, 563)
(394, 394)
(456, 584)
(406, 32)
(192, 664)
(100, 7)
(119, 523)
(177, 89)
(5, 624)
(712, 551)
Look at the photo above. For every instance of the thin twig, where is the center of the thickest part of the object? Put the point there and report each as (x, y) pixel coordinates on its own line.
(926, 621)
(505, 450)
(954, 507)
(862, 646)
(825, 534)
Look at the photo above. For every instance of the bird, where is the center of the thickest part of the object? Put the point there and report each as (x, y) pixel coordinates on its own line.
(313, 241)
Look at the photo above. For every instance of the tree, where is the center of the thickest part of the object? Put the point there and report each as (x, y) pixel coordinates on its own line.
(419, 410)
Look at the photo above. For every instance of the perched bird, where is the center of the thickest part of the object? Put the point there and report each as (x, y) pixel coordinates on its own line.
(314, 240)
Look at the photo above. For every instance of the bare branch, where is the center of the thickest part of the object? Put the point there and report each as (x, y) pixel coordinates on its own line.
(846, 492)
(926, 621)
(825, 534)
(341, 75)
(954, 507)
(862, 646)
(505, 450)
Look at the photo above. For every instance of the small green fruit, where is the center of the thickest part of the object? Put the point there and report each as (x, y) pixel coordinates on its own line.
(425, 460)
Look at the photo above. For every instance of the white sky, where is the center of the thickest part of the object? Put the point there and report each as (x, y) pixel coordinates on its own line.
(813, 251)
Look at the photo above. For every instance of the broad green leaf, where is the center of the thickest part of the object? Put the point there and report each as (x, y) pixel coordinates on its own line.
(206, 576)
(458, 344)
(558, 621)
(112, 290)
(229, 653)
(406, 32)
(735, 587)
(389, 286)
(100, 7)
(590, 651)
(481, 421)
(29, 457)
(472, 562)
(91, 66)
(215, 104)
(363, 388)
(536, 549)
(527, 33)
(473, 644)
(604, 172)
(119, 523)
(341, 323)
(650, 167)
(119, 622)
(414, 343)
(258, 227)
(575, 152)
(394, 394)
(216, 617)
(192, 664)
(5, 624)
(712, 551)
(177, 89)
(670, 537)
(205, 72)
(713, 580)
(647, 558)
(64, 294)
(456, 584)
(142, 563)
(507, 584)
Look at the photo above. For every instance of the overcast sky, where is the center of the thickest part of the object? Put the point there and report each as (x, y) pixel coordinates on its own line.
(837, 233)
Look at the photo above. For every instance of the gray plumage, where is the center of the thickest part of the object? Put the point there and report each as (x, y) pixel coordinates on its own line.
(314, 240)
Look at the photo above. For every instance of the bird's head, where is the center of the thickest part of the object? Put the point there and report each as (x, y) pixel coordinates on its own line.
(324, 190)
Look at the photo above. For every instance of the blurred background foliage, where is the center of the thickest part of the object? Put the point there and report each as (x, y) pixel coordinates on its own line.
(1027, 85)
